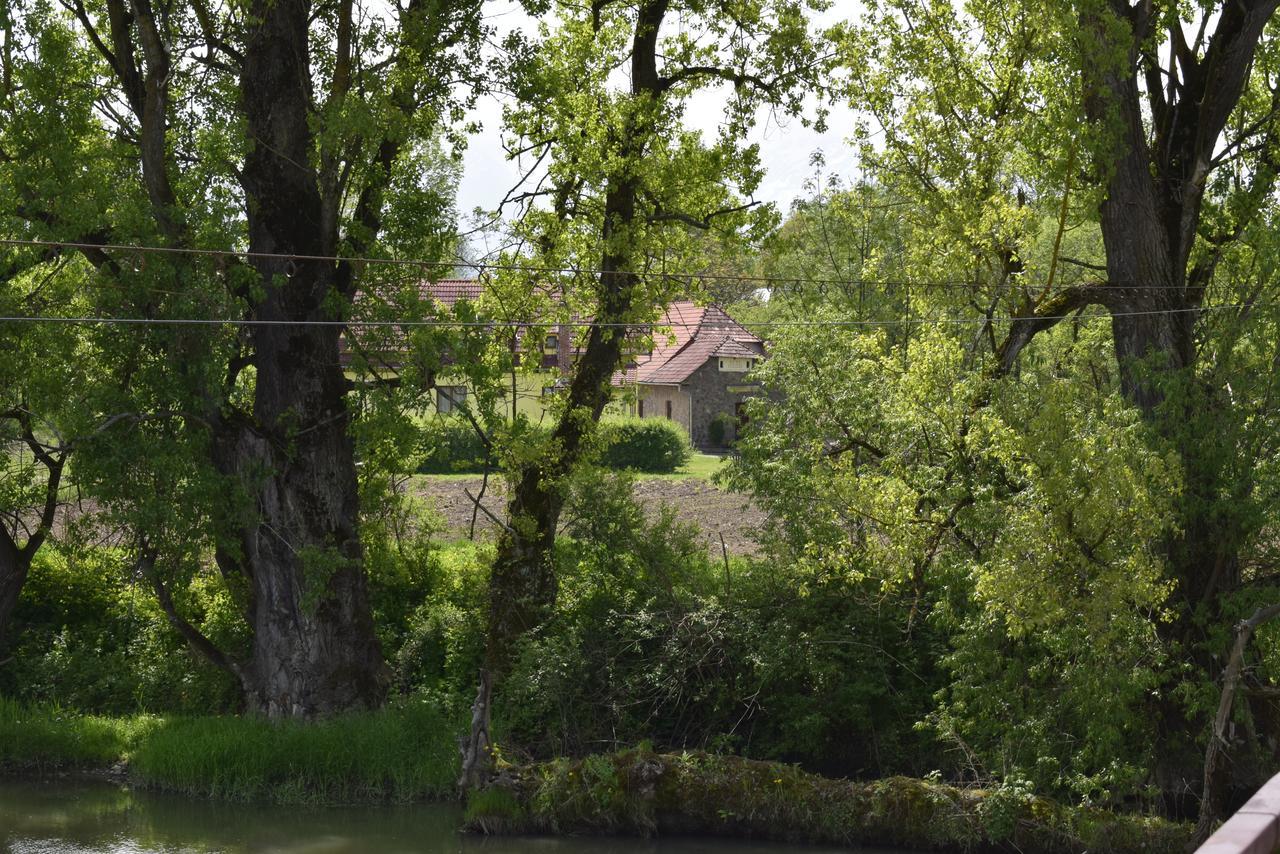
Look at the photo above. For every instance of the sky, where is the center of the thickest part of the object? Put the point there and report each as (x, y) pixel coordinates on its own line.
(785, 149)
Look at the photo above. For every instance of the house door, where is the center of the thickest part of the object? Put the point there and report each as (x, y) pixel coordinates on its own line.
(741, 416)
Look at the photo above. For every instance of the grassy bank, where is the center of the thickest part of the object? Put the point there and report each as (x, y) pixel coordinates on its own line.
(638, 792)
(406, 752)
(43, 737)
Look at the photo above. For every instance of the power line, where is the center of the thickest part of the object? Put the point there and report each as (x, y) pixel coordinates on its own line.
(483, 267)
(587, 324)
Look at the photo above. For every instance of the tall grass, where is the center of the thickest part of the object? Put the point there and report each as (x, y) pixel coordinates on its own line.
(406, 752)
(43, 736)
(403, 753)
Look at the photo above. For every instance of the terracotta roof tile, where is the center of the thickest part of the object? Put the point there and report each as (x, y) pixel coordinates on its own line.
(697, 334)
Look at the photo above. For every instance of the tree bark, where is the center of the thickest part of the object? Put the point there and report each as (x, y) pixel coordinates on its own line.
(314, 646)
(15, 565)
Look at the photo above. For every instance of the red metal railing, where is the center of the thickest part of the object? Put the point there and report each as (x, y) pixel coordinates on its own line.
(1254, 829)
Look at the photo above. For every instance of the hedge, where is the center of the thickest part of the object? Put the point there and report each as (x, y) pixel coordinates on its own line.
(648, 445)
(644, 444)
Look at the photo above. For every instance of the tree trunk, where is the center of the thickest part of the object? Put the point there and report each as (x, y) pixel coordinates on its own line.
(314, 647)
(15, 564)
(523, 586)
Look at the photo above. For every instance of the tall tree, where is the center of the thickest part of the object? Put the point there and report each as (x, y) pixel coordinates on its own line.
(1155, 124)
(627, 187)
(280, 126)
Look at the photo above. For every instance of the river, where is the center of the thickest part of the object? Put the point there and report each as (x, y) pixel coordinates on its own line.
(71, 817)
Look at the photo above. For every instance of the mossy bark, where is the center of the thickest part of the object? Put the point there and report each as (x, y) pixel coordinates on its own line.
(638, 792)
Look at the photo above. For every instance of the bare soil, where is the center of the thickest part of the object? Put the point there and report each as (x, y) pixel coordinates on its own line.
(714, 512)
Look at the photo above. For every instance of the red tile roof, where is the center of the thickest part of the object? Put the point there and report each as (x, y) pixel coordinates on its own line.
(450, 291)
(697, 333)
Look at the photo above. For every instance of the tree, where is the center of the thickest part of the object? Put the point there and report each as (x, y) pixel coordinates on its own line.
(1154, 124)
(282, 127)
(625, 193)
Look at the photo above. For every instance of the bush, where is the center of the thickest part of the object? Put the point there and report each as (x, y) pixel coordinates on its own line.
(718, 430)
(647, 445)
(453, 447)
(89, 638)
(643, 444)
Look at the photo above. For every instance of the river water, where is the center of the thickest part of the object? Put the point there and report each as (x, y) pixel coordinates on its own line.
(65, 817)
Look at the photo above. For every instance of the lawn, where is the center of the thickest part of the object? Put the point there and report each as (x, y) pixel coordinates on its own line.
(700, 466)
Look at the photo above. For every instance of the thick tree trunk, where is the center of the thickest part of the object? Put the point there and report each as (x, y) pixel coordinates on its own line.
(15, 564)
(314, 647)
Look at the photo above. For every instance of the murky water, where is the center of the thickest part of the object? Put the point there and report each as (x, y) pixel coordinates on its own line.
(61, 817)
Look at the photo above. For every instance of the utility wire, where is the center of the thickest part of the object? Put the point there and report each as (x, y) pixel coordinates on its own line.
(483, 267)
(586, 324)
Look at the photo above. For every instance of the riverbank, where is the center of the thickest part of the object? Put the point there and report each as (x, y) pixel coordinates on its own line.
(404, 753)
(408, 753)
(639, 792)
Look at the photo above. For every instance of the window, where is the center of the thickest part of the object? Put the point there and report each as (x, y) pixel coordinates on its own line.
(450, 398)
(736, 364)
(640, 408)
(548, 390)
(551, 343)
(668, 410)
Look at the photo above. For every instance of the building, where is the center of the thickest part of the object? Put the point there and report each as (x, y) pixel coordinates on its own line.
(695, 374)
(698, 373)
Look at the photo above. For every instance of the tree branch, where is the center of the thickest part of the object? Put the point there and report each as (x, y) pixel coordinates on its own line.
(146, 566)
(1047, 315)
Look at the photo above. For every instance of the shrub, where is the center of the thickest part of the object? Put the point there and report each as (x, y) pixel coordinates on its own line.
(87, 637)
(718, 430)
(453, 446)
(643, 444)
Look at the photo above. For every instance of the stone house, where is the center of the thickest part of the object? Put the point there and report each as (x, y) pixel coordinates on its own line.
(697, 373)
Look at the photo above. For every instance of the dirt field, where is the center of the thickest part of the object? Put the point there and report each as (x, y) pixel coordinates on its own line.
(713, 511)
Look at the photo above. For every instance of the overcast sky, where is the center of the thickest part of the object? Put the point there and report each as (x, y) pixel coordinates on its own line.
(785, 150)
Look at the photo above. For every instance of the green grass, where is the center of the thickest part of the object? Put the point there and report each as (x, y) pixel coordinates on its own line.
(700, 467)
(403, 753)
(406, 752)
(45, 737)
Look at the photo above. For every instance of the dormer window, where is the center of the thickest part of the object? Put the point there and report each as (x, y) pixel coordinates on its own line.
(736, 364)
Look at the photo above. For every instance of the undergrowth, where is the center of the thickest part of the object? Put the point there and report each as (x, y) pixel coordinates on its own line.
(639, 792)
(406, 752)
(46, 737)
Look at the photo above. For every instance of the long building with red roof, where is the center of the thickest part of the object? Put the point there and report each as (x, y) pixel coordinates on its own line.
(697, 372)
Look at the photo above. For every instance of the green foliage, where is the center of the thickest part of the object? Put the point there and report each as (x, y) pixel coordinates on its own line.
(453, 446)
(646, 445)
(88, 637)
(643, 444)
(718, 430)
(440, 622)
(642, 792)
(654, 639)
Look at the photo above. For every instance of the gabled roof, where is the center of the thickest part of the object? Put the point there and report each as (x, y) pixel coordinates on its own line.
(450, 291)
(697, 334)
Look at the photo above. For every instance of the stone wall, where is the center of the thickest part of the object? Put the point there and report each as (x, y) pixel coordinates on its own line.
(716, 392)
